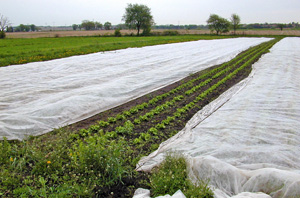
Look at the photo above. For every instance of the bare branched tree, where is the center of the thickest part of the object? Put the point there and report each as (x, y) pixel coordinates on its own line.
(4, 22)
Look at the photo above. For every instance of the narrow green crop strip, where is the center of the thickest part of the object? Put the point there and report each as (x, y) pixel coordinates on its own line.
(21, 51)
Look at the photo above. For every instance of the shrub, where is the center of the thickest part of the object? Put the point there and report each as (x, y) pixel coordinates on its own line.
(118, 33)
(171, 176)
(100, 160)
(170, 33)
(2, 35)
(146, 31)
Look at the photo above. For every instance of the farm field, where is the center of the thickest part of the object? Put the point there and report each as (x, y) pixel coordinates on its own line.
(21, 50)
(286, 32)
(251, 142)
(65, 161)
(44, 93)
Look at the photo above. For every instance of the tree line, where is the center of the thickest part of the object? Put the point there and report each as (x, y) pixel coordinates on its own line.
(91, 25)
(139, 17)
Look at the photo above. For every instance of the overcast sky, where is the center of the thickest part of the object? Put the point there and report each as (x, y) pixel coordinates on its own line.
(68, 12)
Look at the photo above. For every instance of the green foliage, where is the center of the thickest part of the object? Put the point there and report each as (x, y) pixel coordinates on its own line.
(88, 25)
(170, 33)
(146, 31)
(111, 119)
(100, 160)
(235, 22)
(75, 26)
(138, 17)
(103, 123)
(171, 176)
(218, 24)
(20, 51)
(2, 35)
(118, 33)
(127, 128)
(107, 25)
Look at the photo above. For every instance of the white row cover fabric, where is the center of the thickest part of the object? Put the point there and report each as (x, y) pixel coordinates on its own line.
(248, 139)
(38, 97)
(145, 193)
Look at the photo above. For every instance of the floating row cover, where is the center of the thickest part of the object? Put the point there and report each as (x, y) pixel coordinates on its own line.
(247, 140)
(37, 97)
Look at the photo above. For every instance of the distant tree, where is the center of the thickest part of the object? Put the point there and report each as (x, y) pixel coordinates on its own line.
(122, 26)
(107, 25)
(281, 26)
(80, 26)
(32, 27)
(23, 28)
(235, 22)
(88, 25)
(4, 22)
(9, 29)
(98, 25)
(138, 17)
(218, 24)
(75, 27)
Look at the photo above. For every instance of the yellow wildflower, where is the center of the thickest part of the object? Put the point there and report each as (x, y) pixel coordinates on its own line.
(48, 162)
(11, 159)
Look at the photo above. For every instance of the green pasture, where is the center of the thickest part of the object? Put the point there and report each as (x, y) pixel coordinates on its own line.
(20, 51)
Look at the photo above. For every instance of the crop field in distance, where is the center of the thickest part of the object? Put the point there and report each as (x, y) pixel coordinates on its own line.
(20, 50)
(287, 32)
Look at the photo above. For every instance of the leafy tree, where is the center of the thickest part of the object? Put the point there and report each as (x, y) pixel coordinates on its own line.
(32, 27)
(121, 26)
(281, 26)
(10, 29)
(218, 24)
(75, 26)
(107, 25)
(235, 22)
(138, 17)
(98, 25)
(22, 28)
(88, 25)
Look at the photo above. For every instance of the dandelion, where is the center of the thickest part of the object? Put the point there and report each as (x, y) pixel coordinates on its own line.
(11, 159)
(48, 162)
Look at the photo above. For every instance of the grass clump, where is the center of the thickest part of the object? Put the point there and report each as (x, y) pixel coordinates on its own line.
(172, 176)
(81, 168)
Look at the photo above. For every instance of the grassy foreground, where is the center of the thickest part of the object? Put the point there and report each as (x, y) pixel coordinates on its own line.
(20, 51)
(99, 160)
